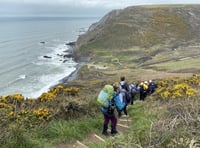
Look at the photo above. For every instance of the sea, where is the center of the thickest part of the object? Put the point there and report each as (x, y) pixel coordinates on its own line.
(32, 52)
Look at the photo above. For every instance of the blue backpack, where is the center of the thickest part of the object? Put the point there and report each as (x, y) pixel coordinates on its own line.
(119, 105)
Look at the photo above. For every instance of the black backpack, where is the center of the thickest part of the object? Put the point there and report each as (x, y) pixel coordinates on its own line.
(111, 107)
(126, 96)
(125, 86)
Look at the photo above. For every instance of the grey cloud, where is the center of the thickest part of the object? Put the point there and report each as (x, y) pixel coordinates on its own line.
(73, 7)
(16, 9)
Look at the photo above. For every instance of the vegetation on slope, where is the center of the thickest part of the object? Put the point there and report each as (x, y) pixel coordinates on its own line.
(170, 117)
(24, 122)
(142, 26)
(143, 35)
(166, 121)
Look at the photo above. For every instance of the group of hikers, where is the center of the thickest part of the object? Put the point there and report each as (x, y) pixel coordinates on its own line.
(118, 96)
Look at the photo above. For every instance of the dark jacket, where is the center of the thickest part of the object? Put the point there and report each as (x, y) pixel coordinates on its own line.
(125, 86)
(109, 111)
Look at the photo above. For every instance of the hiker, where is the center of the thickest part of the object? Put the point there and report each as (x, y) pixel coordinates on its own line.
(125, 87)
(151, 87)
(124, 84)
(123, 96)
(118, 99)
(133, 91)
(109, 115)
(143, 86)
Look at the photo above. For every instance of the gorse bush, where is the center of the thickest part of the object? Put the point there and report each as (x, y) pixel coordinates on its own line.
(177, 91)
(5, 105)
(59, 91)
(36, 111)
(178, 88)
(27, 113)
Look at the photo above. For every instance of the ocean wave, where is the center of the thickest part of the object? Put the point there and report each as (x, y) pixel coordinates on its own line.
(57, 69)
(19, 78)
(13, 68)
(40, 74)
(6, 41)
(22, 76)
(48, 81)
(57, 56)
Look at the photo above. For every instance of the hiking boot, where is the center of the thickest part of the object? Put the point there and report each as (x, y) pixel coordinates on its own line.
(104, 132)
(126, 113)
(119, 114)
(113, 130)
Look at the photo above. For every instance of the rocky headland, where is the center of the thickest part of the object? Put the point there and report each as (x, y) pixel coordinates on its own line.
(141, 42)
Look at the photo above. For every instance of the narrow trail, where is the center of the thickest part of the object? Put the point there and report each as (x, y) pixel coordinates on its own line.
(123, 126)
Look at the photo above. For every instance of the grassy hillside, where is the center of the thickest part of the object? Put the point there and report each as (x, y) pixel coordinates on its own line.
(143, 26)
(168, 118)
(141, 36)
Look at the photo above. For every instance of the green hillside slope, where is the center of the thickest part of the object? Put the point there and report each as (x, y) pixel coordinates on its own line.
(144, 36)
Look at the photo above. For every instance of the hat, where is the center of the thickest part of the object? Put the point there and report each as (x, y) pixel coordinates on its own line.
(116, 85)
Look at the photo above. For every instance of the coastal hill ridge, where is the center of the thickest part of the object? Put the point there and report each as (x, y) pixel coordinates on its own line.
(147, 36)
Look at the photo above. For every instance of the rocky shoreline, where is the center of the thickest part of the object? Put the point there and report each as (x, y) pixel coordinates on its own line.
(80, 62)
(73, 75)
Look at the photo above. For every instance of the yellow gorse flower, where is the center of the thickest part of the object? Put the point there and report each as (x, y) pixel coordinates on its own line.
(12, 98)
(71, 91)
(177, 88)
(41, 113)
(23, 112)
(17, 97)
(46, 97)
(5, 105)
(57, 90)
(10, 114)
(3, 98)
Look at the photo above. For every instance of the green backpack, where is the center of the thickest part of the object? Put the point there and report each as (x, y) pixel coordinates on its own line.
(105, 95)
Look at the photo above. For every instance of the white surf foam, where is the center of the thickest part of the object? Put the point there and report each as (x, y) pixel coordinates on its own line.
(58, 67)
(48, 81)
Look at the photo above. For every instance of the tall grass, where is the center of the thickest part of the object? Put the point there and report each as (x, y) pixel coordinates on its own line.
(57, 131)
(17, 137)
(66, 131)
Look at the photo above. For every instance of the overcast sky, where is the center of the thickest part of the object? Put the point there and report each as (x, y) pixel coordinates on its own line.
(74, 7)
